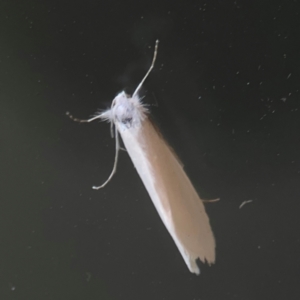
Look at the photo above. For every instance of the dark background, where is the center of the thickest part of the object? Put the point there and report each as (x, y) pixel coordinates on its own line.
(225, 93)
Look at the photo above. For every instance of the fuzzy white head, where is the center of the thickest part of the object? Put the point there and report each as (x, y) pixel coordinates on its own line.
(125, 112)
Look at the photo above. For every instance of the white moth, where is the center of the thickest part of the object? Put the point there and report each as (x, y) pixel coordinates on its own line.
(176, 200)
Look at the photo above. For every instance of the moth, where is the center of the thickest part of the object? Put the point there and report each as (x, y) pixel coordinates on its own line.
(171, 191)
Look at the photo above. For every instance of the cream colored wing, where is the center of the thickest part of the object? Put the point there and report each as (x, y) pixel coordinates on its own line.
(172, 193)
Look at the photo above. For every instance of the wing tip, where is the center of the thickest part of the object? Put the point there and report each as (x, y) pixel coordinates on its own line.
(193, 266)
(194, 261)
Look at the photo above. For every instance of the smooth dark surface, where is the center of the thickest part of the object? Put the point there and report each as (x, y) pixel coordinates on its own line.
(225, 93)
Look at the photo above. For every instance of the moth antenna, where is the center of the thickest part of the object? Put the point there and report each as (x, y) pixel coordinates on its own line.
(151, 67)
(115, 163)
(81, 120)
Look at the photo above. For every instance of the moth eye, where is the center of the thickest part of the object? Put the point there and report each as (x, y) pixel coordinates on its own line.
(127, 121)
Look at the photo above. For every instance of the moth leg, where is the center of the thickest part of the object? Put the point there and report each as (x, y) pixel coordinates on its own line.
(123, 148)
(115, 163)
(211, 200)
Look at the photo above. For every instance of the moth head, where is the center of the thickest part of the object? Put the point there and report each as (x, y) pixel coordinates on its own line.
(127, 110)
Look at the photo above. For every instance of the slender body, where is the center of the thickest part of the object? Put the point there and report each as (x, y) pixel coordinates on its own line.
(172, 193)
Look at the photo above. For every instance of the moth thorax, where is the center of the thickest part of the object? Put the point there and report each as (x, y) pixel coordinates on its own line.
(124, 112)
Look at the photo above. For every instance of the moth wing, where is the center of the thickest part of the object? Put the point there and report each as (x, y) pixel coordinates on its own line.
(177, 201)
